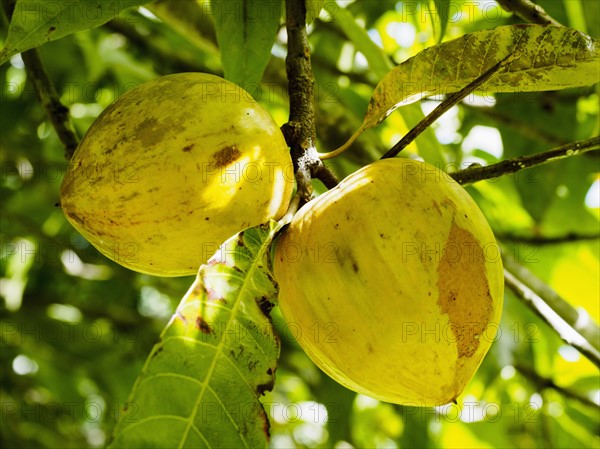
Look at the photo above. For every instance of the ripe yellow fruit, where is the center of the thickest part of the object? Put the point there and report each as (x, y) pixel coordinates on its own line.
(172, 169)
(392, 283)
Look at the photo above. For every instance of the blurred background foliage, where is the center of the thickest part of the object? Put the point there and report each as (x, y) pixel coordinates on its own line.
(76, 328)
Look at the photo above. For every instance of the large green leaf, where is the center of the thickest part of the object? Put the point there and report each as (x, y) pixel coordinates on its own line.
(35, 22)
(201, 383)
(246, 31)
(547, 58)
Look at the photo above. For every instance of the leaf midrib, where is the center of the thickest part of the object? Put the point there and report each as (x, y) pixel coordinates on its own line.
(255, 264)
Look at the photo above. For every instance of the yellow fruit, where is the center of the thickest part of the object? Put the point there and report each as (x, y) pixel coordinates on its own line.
(172, 169)
(392, 283)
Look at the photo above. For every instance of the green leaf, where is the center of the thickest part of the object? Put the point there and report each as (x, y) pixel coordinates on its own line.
(576, 15)
(378, 61)
(591, 12)
(443, 12)
(549, 58)
(313, 8)
(246, 31)
(35, 22)
(201, 383)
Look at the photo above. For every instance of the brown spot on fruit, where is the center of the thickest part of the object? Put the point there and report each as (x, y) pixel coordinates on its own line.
(467, 304)
(188, 148)
(149, 132)
(226, 156)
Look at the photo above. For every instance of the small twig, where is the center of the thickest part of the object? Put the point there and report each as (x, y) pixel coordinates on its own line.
(300, 132)
(450, 101)
(550, 315)
(529, 11)
(544, 240)
(543, 383)
(508, 166)
(46, 92)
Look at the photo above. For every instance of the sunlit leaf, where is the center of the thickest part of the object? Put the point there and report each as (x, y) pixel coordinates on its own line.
(378, 61)
(201, 383)
(35, 22)
(246, 31)
(549, 58)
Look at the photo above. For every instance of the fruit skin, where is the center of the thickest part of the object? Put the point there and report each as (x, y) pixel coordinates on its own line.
(399, 271)
(172, 169)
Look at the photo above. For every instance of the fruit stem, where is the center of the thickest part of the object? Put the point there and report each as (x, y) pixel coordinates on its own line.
(344, 147)
(289, 214)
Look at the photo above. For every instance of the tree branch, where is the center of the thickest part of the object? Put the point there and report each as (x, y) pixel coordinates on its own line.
(450, 101)
(546, 240)
(300, 132)
(574, 328)
(580, 322)
(46, 92)
(529, 11)
(479, 173)
(543, 383)
(57, 112)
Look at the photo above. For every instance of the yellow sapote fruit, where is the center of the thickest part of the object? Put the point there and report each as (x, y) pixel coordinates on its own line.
(392, 283)
(172, 169)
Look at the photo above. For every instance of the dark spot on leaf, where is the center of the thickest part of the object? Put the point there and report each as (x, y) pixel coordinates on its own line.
(204, 326)
(188, 148)
(354, 267)
(251, 364)
(226, 156)
(265, 305)
(158, 351)
(240, 241)
(236, 355)
(266, 424)
(261, 388)
(270, 372)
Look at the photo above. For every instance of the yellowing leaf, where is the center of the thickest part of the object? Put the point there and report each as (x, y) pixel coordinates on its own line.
(549, 58)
